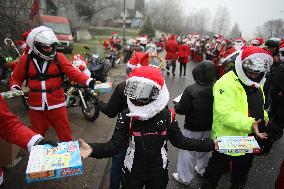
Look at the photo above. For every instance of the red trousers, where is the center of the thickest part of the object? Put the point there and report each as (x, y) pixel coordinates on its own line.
(280, 180)
(56, 118)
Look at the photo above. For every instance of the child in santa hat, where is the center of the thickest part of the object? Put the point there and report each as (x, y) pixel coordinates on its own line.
(145, 126)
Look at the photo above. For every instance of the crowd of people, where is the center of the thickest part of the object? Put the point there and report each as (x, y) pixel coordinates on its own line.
(238, 91)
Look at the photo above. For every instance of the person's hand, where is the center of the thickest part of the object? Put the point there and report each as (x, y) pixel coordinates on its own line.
(16, 88)
(254, 127)
(216, 144)
(45, 141)
(85, 149)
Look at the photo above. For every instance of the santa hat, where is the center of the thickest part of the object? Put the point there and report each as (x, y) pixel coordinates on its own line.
(229, 54)
(147, 75)
(250, 53)
(281, 50)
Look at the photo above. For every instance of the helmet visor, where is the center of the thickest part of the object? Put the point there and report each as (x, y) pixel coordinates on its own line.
(255, 65)
(141, 90)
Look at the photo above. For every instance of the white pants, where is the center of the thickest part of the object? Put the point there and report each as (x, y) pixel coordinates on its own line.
(188, 159)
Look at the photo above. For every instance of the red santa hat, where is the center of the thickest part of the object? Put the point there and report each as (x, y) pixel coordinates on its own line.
(229, 54)
(260, 60)
(146, 82)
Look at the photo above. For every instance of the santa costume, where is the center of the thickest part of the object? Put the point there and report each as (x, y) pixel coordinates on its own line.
(43, 76)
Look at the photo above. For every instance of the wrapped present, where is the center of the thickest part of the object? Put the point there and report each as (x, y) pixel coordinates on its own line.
(47, 162)
(177, 99)
(238, 144)
(103, 88)
(12, 94)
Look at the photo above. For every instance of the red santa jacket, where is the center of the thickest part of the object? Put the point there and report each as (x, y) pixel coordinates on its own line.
(12, 130)
(171, 49)
(183, 52)
(141, 58)
(47, 92)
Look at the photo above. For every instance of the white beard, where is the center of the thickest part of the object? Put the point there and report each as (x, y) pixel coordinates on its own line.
(150, 110)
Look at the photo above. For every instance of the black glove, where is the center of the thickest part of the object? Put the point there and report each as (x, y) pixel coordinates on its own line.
(92, 84)
(45, 141)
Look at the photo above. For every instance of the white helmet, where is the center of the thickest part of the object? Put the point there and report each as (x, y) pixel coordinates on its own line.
(42, 37)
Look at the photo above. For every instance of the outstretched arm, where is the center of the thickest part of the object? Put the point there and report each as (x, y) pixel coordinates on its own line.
(179, 141)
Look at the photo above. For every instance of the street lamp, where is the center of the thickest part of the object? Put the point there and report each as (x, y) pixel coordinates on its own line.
(123, 36)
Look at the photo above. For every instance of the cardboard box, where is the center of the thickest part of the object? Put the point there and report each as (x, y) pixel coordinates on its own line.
(9, 154)
(47, 162)
(238, 144)
(103, 88)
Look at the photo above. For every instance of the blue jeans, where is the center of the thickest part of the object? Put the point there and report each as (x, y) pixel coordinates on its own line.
(116, 169)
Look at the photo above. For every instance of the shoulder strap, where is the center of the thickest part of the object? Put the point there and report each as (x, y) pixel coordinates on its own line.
(28, 60)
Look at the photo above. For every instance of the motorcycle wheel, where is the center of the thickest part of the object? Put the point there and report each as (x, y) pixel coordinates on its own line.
(91, 113)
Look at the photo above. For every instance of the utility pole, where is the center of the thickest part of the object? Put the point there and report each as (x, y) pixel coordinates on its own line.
(123, 37)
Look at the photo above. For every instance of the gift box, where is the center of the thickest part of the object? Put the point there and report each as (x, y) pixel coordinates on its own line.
(11, 94)
(238, 144)
(177, 99)
(103, 88)
(47, 162)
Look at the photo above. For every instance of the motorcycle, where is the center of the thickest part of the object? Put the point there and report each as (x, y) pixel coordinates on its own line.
(113, 55)
(79, 95)
(98, 66)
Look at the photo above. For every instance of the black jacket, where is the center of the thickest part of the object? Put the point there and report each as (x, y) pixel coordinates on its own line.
(196, 102)
(277, 95)
(117, 102)
(148, 147)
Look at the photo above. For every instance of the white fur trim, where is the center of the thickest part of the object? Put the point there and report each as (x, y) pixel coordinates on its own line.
(129, 65)
(241, 74)
(33, 141)
(224, 59)
(13, 87)
(88, 81)
(150, 110)
(145, 80)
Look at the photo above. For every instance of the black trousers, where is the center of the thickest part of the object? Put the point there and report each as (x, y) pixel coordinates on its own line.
(181, 65)
(157, 180)
(218, 164)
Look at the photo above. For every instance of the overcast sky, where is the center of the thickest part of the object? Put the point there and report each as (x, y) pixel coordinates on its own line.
(247, 13)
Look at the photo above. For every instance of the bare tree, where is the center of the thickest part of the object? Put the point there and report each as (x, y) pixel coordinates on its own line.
(164, 15)
(235, 32)
(90, 8)
(221, 22)
(271, 28)
(14, 16)
(200, 21)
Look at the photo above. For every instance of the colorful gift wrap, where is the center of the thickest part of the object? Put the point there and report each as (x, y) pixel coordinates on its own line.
(11, 94)
(103, 88)
(238, 144)
(47, 162)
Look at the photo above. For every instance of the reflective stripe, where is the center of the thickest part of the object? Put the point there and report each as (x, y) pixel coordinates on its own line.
(128, 161)
(164, 155)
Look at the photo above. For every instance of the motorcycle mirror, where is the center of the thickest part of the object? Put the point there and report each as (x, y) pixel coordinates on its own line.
(87, 48)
